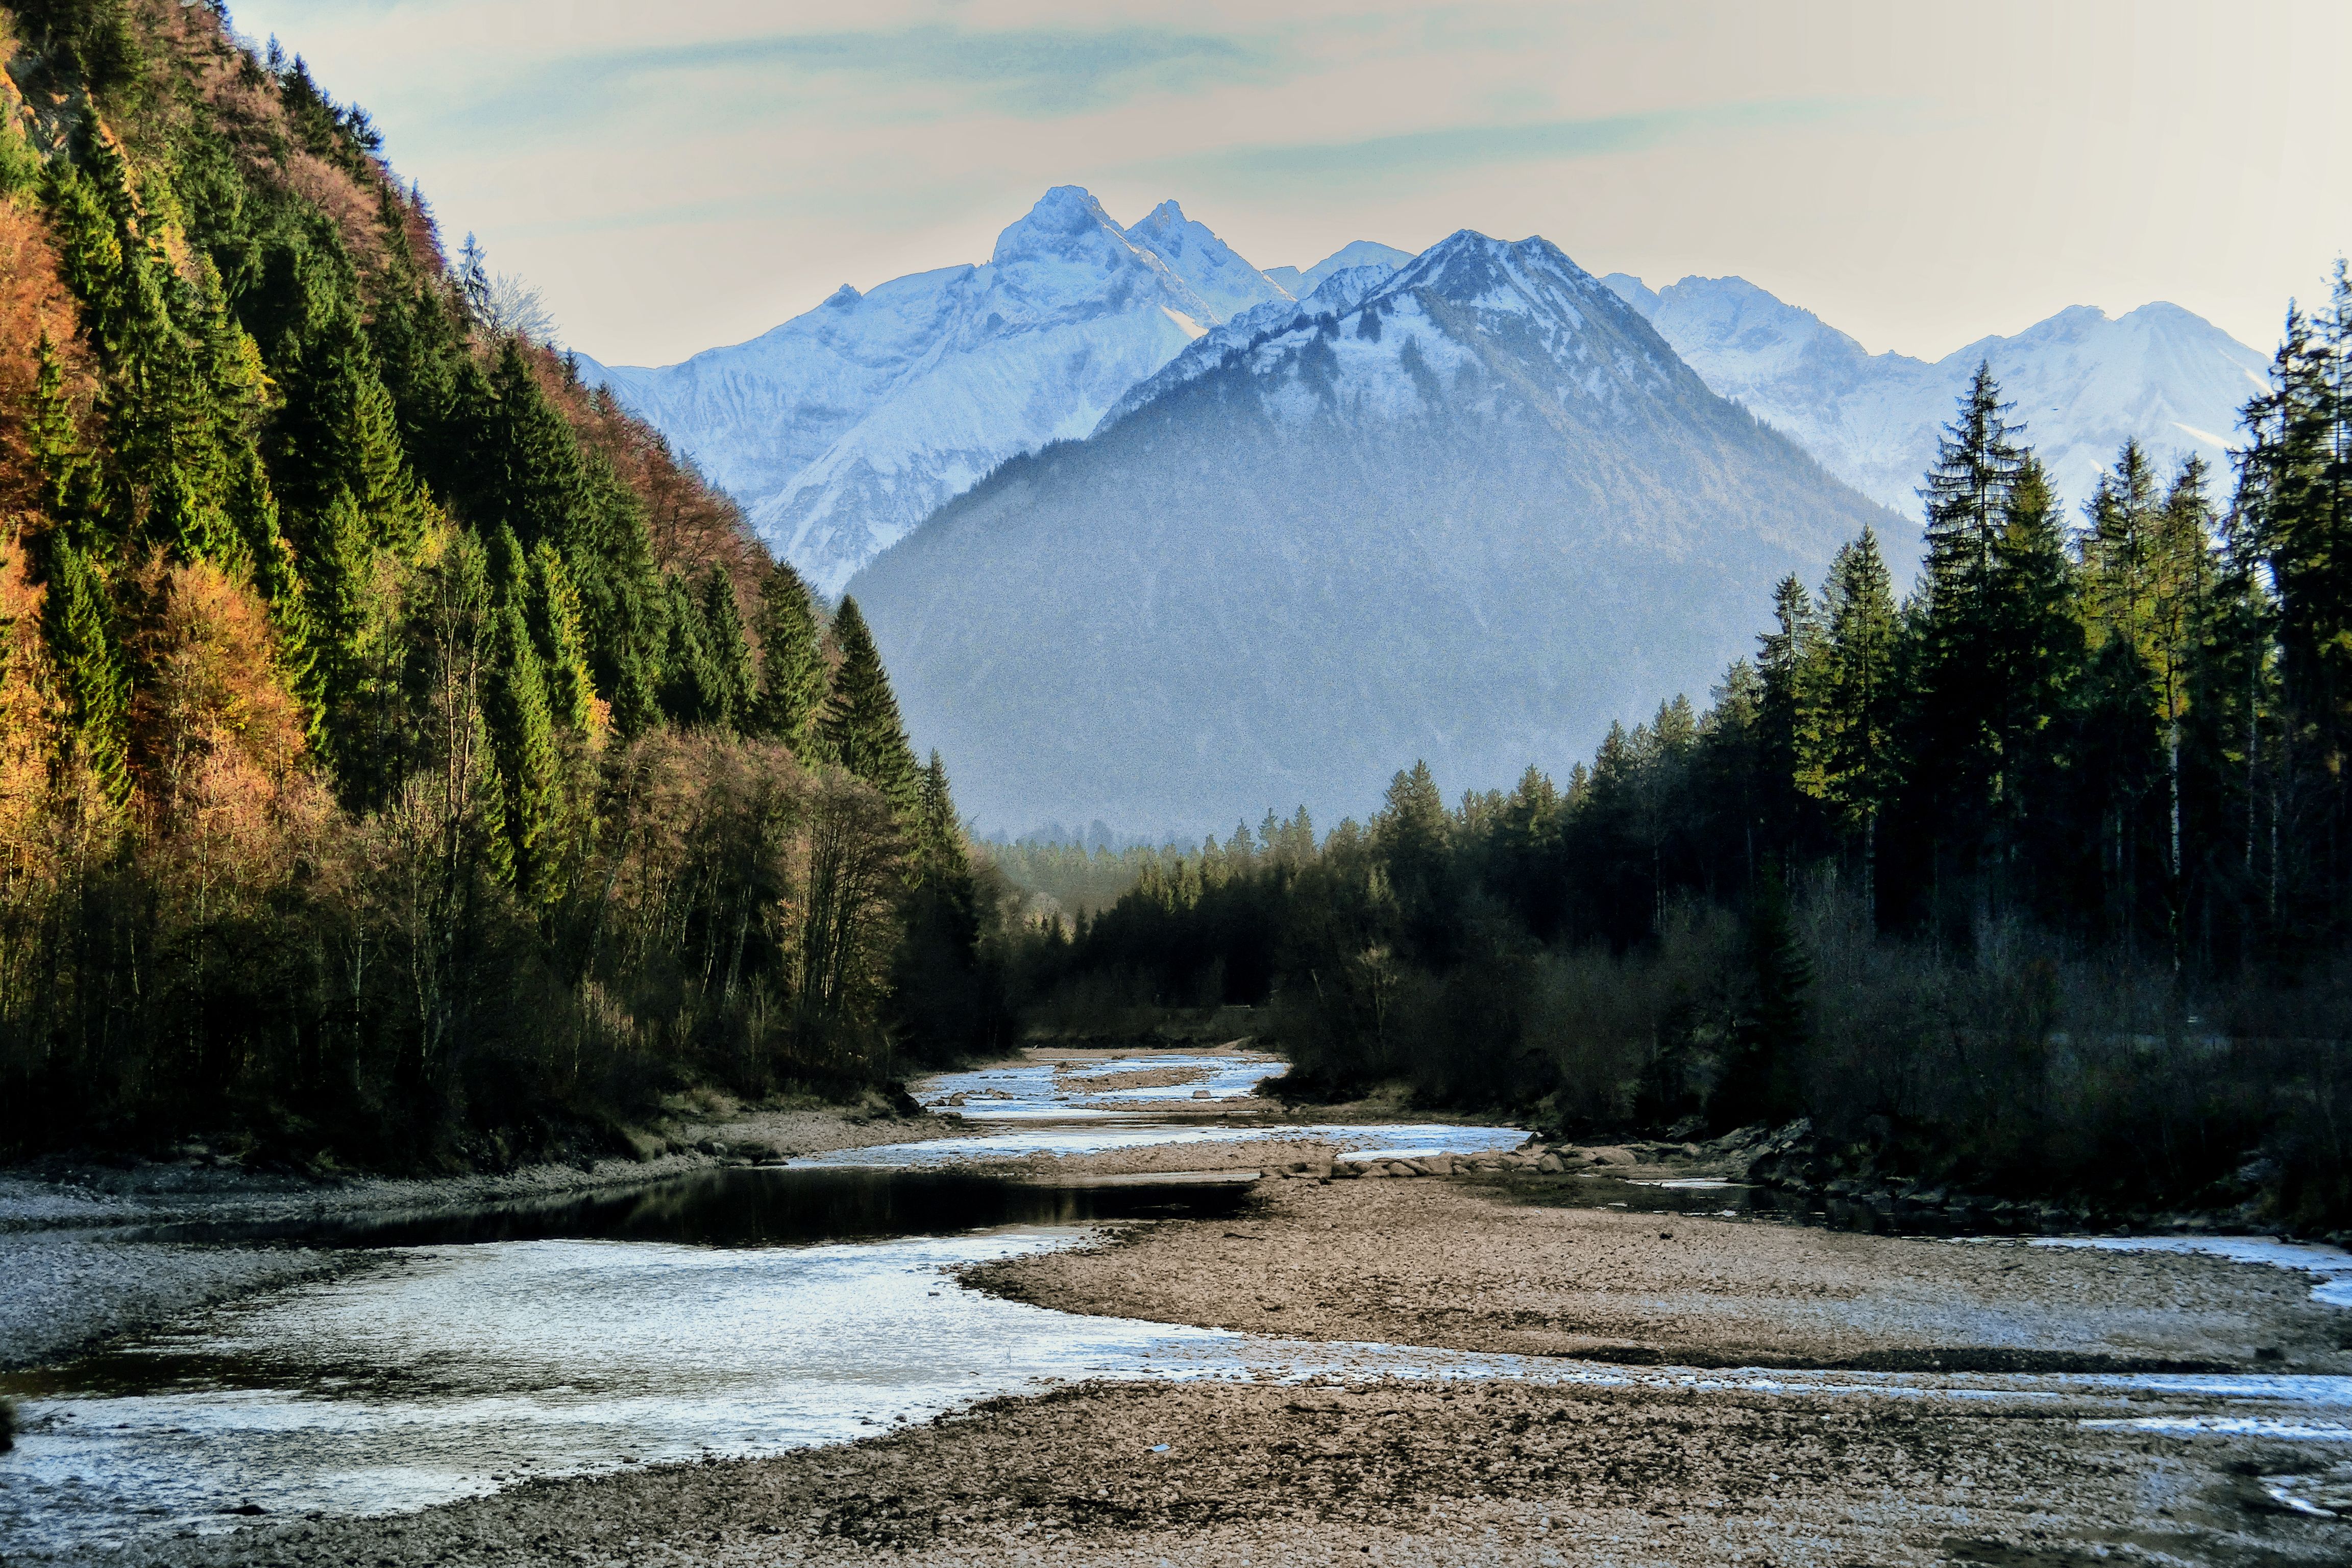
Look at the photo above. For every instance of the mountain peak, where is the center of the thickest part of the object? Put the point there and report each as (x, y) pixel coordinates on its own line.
(1063, 215)
(1214, 270)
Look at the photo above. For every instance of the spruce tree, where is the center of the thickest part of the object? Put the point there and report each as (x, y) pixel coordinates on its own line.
(1847, 756)
(792, 675)
(556, 635)
(692, 691)
(79, 621)
(735, 681)
(530, 764)
(861, 729)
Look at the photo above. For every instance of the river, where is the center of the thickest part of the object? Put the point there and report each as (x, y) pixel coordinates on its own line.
(746, 1311)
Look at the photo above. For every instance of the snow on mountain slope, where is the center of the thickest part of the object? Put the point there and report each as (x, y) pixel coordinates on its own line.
(845, 427)
(1340, 293)
(1193, 253)
(1472, 516)
(1355, 253)
(2081, 384)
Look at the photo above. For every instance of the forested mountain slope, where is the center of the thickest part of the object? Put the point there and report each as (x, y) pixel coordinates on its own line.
(1474, 517)
(403, 755)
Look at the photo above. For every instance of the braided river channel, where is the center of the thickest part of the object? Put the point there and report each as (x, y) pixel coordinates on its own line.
(742, 1311)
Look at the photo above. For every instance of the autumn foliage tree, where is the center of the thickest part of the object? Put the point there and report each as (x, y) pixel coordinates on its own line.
(403, 754)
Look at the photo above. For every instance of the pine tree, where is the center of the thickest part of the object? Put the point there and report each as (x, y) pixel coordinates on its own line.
(529, 764)
(527, 472)
(938, 834)
(2148, 573)
(1979, 461)
(1789, 666)
(692, 689)
(70, 477)
(792, 675)
(2296, 484)
(860, 728)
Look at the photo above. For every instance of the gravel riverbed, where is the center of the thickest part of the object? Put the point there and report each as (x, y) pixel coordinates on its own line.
(1995, 1418)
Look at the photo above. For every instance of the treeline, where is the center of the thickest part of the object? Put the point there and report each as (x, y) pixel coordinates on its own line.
(402, 754)
(1051, 877)
(2040, 876)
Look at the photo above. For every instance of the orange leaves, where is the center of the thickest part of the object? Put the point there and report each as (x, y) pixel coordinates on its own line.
(34, 304)
(219, 737)
(31, 714)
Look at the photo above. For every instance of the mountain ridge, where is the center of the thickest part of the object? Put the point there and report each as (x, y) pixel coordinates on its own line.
(2081, 382)
(1473, 518)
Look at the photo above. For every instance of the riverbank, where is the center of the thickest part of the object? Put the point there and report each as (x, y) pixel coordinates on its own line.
(1406, 1473)
(91, 1250)
(2008, 1403)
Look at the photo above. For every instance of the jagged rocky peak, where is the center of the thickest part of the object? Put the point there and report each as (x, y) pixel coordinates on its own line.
(1529, 294)
(1068, 251)
(1230, 284)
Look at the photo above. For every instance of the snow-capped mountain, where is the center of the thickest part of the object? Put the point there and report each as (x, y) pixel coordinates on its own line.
(1338, 292)
(842, 428)
(1472, 513)
(1355, 253)
(1216, 273)
(2082, 382)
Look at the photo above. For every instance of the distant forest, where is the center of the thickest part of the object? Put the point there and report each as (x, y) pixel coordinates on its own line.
(2039, 876)
(404, 757)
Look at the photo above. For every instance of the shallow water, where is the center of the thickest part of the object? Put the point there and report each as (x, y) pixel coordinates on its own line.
(1031, 1091)
(729, 1313)
(749, 1311)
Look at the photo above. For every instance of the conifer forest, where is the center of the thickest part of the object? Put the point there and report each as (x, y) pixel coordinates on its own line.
(2038, 877)
(405, 758)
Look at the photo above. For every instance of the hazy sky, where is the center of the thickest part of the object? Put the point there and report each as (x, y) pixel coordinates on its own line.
(680, 174)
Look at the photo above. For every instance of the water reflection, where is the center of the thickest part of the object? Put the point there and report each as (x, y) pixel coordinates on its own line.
(769, 1206)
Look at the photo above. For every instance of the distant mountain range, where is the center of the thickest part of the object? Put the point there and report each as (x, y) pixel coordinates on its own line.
(1468, 510)
(2081, 384)
(842, 428)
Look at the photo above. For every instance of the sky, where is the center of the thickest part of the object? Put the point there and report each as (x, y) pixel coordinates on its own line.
(680, 175)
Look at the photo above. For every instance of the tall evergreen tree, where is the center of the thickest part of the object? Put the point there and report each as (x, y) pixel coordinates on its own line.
(861, 729)
(729, 654)
(1848, 756)
(556, 636)
(792, 675)
(84, 642)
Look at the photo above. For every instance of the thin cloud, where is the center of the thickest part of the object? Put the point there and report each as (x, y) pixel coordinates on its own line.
(1273, 168)
(1042, 73)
